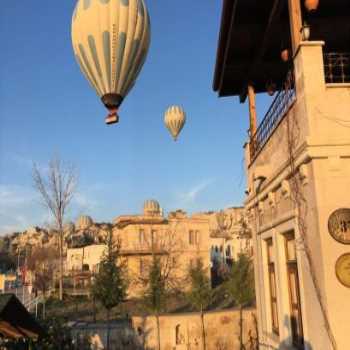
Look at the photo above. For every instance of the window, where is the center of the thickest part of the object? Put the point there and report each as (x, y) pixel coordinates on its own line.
(179, 338)
(154, 235)
(294, 292)
(142, 237)
(191, 237)
(154, 238)
(142, 267)
(197, 237)
(95, 268)
(228, 251)
(272, 283)
(139, 331)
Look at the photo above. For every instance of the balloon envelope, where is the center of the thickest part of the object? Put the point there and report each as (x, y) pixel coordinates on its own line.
(175, 119)
(110, 41)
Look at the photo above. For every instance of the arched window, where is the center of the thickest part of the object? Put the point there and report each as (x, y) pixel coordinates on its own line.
(228, 251)
(179, 338)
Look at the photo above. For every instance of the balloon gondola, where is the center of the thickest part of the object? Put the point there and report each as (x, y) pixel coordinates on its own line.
(110, 40)
(175, 119)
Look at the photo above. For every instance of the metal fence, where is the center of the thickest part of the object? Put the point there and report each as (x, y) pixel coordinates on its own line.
(278, 109)
(337, 67)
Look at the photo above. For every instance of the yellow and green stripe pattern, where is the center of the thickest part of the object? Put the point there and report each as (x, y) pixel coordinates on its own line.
(110, 42)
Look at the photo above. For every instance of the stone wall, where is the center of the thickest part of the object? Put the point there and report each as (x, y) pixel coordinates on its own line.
(184, 332)
(177, 332)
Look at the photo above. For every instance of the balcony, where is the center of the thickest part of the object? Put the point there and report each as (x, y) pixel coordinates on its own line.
(337, 67)
(310, 114)
(278, 109)
(336, 73)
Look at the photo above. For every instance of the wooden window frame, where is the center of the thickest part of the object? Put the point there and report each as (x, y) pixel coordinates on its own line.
(273, 299)
(292, 268)
(142, 236)
(191, 237)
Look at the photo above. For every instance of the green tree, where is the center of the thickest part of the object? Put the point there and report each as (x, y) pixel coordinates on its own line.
(155, 292)
(110, 284)
(200, 294)
(240, 286)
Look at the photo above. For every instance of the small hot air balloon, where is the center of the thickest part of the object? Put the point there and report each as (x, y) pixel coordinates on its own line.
(175, 119)
(110, 40)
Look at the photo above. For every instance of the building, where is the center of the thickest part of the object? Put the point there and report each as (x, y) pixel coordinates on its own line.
(7, 280)
(228, 238)
(178, 239)
(85, 258)
(297, 162)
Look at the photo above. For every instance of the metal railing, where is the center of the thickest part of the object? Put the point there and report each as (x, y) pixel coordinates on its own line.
(278, 109)
(337, 67)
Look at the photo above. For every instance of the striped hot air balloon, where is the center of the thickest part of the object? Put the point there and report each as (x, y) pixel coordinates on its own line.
(175, 119)
(110, 40)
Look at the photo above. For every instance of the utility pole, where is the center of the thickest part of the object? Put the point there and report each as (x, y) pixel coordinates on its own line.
(18, 254)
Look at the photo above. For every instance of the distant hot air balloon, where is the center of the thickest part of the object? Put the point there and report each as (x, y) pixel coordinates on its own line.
(110, 40)
(175, 119)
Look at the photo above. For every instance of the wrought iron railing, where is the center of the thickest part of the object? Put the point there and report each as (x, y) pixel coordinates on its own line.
(278, 109)
(337, 67)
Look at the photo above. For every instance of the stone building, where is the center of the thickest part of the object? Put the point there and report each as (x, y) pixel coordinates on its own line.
(178, 239)
(86, 258)
(228, 237)
(297, 162)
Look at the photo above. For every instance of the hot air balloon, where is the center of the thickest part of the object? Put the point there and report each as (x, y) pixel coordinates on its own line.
(175, 119)
(110, 41)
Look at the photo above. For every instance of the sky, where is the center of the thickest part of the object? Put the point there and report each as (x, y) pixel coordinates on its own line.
(48, 109)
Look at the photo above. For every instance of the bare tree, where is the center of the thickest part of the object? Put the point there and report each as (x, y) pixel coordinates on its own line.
(167, 246)
(41, 262)
(162, 273)
(56, 188)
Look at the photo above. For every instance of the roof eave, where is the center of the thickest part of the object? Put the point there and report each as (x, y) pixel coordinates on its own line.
(223, 34)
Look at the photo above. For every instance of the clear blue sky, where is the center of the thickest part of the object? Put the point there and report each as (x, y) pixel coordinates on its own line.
(48, 108)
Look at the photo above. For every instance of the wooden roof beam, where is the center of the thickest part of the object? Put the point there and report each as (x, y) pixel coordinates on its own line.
(227, 49)
(275, 14)
(295, 21)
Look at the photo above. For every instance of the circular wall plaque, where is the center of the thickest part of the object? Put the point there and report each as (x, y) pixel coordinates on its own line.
(339, 225)
(342, 269)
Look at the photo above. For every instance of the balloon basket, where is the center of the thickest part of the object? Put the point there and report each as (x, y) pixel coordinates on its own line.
(112, 119)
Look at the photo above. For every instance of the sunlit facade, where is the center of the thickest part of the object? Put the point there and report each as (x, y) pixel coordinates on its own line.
(297, 163)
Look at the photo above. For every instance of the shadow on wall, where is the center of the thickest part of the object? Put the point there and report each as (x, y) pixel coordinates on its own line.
(93, 336)
(286, 345)
(143, 333)
(290, 343)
